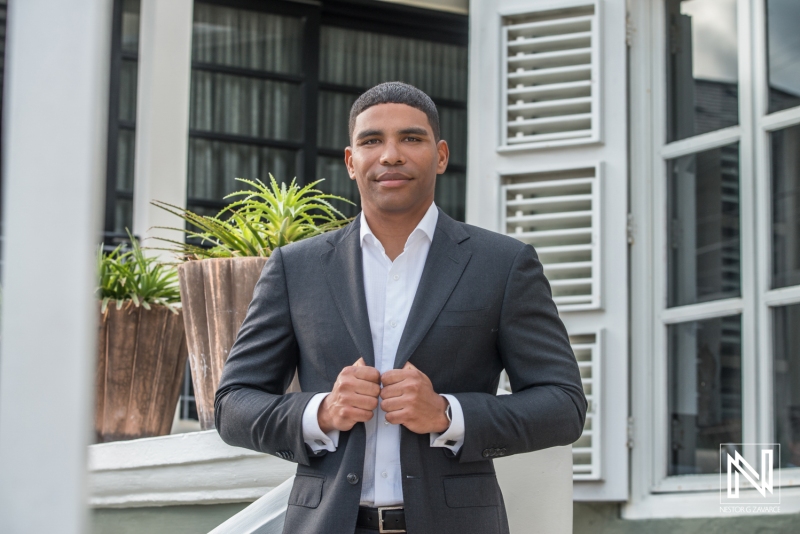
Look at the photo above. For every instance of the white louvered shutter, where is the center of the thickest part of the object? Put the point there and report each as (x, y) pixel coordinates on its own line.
(548, 165)
(560, 217)
(586, 452)
(551, 66)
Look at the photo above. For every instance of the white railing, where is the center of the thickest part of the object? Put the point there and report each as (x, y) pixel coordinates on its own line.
(265, 516)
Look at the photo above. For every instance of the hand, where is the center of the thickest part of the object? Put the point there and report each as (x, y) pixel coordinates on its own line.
(353, 399)
(409, 400)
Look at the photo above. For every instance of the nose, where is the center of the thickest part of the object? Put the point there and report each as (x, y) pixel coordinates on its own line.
(392, 155)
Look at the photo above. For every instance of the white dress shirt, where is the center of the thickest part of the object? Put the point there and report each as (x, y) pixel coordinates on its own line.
(390, 287)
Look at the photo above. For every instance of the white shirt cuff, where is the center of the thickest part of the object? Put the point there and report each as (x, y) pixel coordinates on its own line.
(453, 437)
(312, 433)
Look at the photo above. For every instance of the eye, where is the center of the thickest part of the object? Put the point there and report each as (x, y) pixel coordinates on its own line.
(412, 138)
(369, 141)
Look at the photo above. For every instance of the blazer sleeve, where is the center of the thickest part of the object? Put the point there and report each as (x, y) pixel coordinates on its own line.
(547, 407)
(251, 409)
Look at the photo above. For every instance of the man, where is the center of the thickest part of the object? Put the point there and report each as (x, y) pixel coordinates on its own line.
(399, 326)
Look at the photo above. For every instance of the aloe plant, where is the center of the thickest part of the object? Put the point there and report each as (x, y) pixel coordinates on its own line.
(268, 217)
(132, 277)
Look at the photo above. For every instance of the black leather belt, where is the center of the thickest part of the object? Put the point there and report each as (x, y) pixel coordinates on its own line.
(383, 519)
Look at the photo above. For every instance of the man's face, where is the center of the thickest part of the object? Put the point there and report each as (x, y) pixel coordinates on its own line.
(394, 158)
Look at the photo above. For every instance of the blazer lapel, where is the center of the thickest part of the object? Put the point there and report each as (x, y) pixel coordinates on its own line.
(443, 268)
(345, 276)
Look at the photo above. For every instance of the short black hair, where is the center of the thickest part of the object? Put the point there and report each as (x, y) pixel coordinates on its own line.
(396, 93)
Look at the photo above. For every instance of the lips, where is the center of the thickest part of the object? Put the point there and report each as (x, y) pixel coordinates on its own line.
(393, 179)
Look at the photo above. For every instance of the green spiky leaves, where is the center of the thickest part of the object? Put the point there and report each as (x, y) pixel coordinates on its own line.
(268, 217)
(130, 276)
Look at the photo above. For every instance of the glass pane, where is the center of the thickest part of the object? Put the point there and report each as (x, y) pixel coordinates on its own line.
(245, 106)
(127, 90)
(705, 393)
(130, 26)
(702, 68)
(338, 182)
(451, 194)
(126, 143)
(786, 207)
(123, 215)
(332, 119)
(703, 230)
(453, 125)
(247, 39)
(363, 59)
(787, 383)
(213, 165)
(784, 54)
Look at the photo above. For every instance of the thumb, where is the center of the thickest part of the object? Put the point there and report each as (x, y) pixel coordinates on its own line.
(360, 363)
(409, 365)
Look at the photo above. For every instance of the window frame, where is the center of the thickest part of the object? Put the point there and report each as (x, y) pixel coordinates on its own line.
(365, 15)
(654, 494)
(115, 126)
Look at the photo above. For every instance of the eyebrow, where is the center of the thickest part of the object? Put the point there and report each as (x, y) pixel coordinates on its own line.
(414, 130)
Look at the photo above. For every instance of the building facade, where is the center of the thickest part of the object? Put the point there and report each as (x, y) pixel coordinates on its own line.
(646, 148)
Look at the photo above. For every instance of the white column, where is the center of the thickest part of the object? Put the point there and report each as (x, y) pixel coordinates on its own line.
(54, 135)
(162, 115)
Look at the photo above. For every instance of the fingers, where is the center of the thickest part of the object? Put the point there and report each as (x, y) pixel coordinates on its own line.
(395, 375)
(370, 374)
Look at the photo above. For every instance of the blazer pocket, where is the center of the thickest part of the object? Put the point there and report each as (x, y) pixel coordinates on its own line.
(478, 317)
(306, 491)
(471, 490)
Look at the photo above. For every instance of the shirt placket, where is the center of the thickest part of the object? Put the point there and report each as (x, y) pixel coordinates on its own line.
(387, 461)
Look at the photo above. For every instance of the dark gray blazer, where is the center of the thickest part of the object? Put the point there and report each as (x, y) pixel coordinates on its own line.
(483, 305)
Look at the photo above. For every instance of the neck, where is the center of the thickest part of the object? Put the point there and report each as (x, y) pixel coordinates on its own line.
(393, 228)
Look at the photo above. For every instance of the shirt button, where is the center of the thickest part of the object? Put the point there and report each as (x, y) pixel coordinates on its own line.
(396, 277)
(384, 474)
(394, 324)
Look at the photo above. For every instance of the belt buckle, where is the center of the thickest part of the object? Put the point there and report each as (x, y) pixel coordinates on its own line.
(382, 509)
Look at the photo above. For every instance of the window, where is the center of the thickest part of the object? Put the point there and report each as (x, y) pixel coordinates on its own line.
(121, 122)
(272, 88)
(724, 261)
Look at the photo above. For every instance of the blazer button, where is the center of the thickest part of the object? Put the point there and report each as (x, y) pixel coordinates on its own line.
(352, 478)
(486, 453)
(289, 455)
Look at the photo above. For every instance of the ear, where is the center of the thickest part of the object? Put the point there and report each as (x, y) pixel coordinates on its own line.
(443, 156)
(348, 161)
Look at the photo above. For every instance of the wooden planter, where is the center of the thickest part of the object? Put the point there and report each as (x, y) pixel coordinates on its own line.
(215, 294)
(142, 357)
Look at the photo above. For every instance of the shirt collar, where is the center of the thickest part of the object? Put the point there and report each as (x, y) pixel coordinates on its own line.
(427, 225)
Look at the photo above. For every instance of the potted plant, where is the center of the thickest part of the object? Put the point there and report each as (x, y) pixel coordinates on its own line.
(219, 271)
(141, 347)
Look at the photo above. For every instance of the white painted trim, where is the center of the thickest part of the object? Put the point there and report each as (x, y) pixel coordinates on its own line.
(782, 297)
(781, 119)
(643, 32)
(701, 142)
(544, 6)
(162, 118)
(193, 468)
(704, 310)
(699, 505)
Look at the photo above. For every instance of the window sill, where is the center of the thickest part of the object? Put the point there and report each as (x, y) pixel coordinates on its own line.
(690, 505)
(193, 468)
